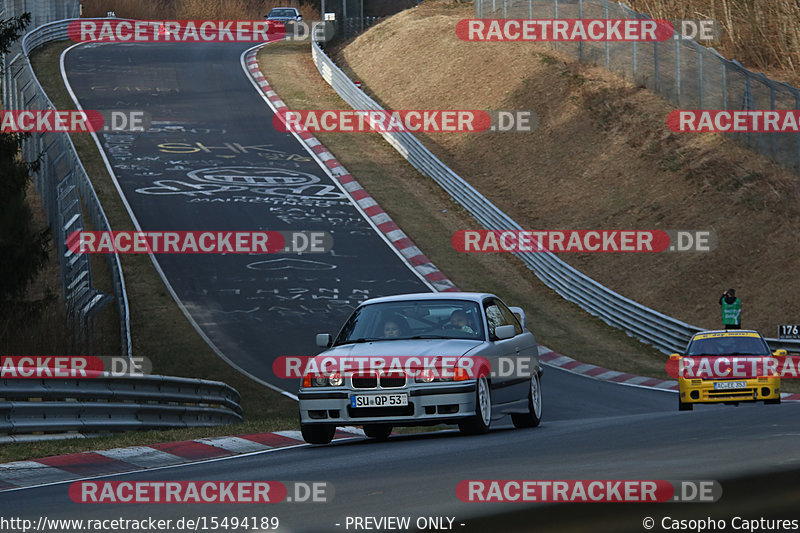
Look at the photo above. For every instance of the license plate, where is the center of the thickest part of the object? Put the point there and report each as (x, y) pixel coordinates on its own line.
(725, 385)
(379, 400)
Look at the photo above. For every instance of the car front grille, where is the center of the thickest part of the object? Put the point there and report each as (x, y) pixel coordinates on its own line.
(739, 394)
(393, 380)
(365, 382)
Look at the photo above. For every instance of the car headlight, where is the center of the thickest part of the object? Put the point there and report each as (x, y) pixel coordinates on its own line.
(426, 376)
(438, 375)
(334, 380)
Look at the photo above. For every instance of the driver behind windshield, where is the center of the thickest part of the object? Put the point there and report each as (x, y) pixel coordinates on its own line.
(459, 320)
(394, 327)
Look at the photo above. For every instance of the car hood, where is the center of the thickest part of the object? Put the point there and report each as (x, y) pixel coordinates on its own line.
(413, 347)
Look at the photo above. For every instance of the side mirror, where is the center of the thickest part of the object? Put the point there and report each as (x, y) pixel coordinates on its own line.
(779, 353)
(324, 340)
(504, 332)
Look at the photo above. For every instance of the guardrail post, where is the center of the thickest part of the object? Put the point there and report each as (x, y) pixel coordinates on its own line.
(608, 45)
(580, 43)
(678, 69)
(700, 77)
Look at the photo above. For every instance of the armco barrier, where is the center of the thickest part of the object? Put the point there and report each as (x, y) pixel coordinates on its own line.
(87, 405)
(665, 333)
(114, 404)
(61, 180)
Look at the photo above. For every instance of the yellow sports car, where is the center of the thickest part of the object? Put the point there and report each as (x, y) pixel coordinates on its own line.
(727, 366)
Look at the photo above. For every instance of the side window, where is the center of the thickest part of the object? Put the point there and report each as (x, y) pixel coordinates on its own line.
(509, 317)
(497, 314)
(494, 318)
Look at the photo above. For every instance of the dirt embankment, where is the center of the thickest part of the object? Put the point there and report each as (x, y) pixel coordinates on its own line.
(602, 157)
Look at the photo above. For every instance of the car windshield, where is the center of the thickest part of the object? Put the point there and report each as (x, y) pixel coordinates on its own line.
(282, 13)
(728, 346)
(414, 319)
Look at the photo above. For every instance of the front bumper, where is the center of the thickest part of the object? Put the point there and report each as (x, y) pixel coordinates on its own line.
(428, 403)
(703, 391)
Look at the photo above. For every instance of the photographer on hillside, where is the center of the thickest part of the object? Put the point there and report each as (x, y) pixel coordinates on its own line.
(731, 310)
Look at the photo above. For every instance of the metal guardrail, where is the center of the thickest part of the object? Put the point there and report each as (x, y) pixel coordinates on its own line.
(686, 73)
(42, 11)
(62, 180)
(115, 404)
(664, 332)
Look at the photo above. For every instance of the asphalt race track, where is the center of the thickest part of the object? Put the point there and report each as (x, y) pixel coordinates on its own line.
(592, 430)
(213, 161)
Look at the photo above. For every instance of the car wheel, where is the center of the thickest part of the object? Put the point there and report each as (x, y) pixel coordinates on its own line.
(774, 401)
(533, 417)
(378, 431)
(317, 433)
(479, 423)
(684, 406)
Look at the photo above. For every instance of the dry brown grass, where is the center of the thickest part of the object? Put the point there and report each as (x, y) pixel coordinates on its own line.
(430, 217)
(602, 157)
(762, 34)
(193, 9)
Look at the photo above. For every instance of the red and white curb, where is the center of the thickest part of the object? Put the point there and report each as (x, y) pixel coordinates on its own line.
(60, 468)
(553, 359)
(361, 197)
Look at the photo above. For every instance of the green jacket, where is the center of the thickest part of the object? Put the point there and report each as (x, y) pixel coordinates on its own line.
(731, 313)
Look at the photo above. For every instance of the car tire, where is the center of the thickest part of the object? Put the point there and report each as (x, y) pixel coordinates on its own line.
(533, 417)
(317, 433)
(378, 431)
(479, 423)
(774, 401)
(684, 406)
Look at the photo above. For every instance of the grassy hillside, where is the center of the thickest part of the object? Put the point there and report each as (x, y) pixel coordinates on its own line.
(763, 35)
(602, 157)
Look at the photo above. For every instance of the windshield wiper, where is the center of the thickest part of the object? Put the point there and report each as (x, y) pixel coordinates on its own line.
(429, 337)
